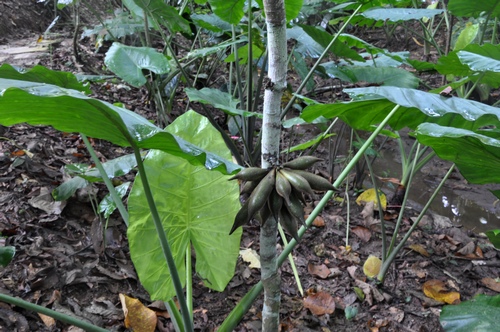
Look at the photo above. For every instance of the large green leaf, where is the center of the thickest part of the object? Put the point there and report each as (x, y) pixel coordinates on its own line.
(305, 44)
(165, 15)
(479, 314)
(380, 75)
(71, 111)
(41, 74)
(477, 156)
(230, 11)
(338, 48)
(400, 14)
(197, 208)
(128, 62)
(371, 105)
(6, 255)
(494, 237)
(218, 99)
(479, 62)
(292, 9)
(469, 8)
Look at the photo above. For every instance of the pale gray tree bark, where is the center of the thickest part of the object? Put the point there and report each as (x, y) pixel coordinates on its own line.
(271, 128)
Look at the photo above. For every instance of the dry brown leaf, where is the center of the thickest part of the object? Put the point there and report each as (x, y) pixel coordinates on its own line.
(362, 232)
(320, 303)
(137, 316)
(397, 314)
(492, 283)
(470, 251)
(319, 222)
(437, 290)
(419, 248)
(375, 326)
(47, 320)
(321, 271)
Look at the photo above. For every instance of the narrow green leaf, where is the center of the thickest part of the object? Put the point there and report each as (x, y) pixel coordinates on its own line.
(197, 208)
(467, 36)
(308, 144)
(128, 62)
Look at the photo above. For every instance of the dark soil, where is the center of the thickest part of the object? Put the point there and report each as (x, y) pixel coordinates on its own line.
(63, 262)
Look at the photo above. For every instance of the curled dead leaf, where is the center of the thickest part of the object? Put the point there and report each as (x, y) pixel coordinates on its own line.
(138, 317)
(320, 303)
(437, 290)
(322, 271)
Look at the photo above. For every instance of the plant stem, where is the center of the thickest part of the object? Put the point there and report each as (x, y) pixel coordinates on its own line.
(387, 263)
(51, 313)
(167, 253)
(112, 191)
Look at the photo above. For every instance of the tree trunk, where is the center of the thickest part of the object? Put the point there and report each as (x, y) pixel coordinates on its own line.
(274, 87)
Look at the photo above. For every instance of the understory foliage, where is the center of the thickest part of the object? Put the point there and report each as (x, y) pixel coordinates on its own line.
(218, 55)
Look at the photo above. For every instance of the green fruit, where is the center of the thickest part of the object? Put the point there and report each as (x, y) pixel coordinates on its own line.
(315, 181)
(289, 223)
(250, 174)
(295, 208)
(261, 193)
(248, 187)
(275, 202)
(283, 187)
(297, 181)
(303, 162)
(241, 217)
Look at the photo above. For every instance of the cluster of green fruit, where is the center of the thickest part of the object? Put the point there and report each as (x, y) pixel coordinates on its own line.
(278, 192)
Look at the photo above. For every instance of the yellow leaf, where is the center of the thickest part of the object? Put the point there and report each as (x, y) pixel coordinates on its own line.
(419, 248)
(138, 317)
(250, 256)
(436, 289)
(371, 268)
(370, 195)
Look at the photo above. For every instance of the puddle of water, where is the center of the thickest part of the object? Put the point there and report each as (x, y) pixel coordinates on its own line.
(471, 206)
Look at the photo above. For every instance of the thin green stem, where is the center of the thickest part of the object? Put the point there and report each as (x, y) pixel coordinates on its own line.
(51, 313)
(387, 263)
(292, 262)
(318, 62)
(112, 191)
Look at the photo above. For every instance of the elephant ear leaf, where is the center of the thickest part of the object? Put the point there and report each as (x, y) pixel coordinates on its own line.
(197, 208)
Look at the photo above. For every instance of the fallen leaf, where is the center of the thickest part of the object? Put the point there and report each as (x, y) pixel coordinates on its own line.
(436, 289)
(370, 195)
(492, 283)
(321, 271)
(138, 317)
(362, 232)
(397, 314)
(319, 222)
(47, 320)
(320, 303)
(250, 256)
(419, 248)
(470, 251)
(371, 268)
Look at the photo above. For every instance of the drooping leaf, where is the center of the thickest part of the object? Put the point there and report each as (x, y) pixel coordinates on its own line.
(308, 144)
(107, 206)
(165, 15)
(378, 75)
(71, 111)
(6, 255)
(467, 36)
(338, 48)
(477, 156)
(479, 314)
(202, 52)
(371, 105)
(305, 43)
(128, 62)
(211, 22)
(218, 99)
(41, 74)
(197, 208)
(474, 8)
(230, 11)
(400, 14)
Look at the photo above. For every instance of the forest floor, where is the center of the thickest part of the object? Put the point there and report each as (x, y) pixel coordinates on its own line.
(63, 263)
